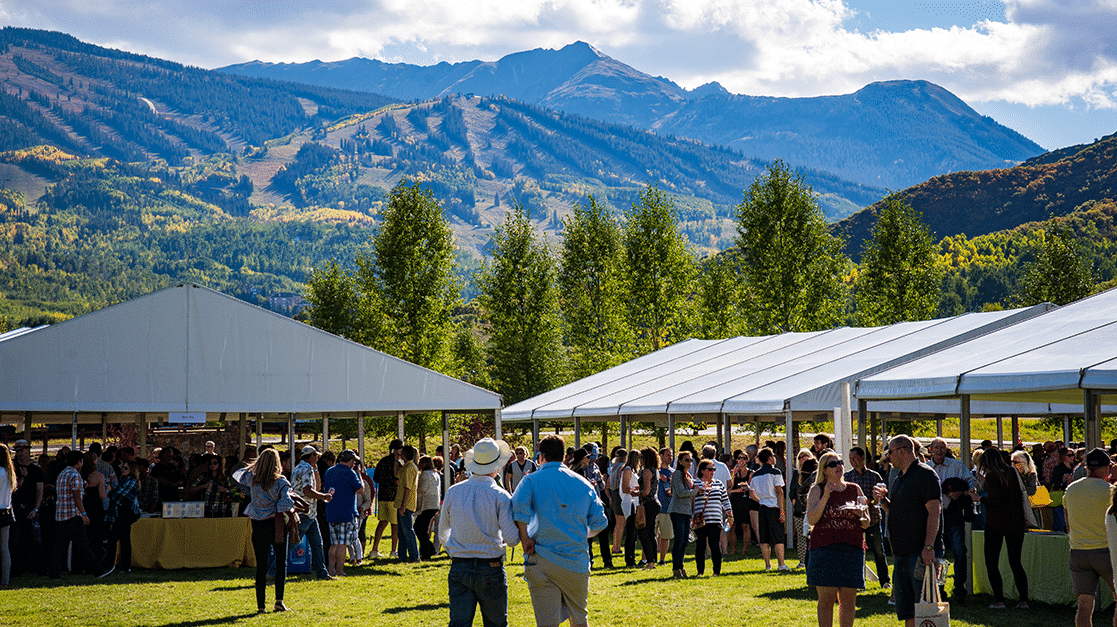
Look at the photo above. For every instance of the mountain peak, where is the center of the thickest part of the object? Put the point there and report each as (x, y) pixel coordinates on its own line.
(709, 89)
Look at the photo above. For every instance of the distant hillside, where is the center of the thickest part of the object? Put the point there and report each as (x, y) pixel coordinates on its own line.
(977, 203)
(893, 134)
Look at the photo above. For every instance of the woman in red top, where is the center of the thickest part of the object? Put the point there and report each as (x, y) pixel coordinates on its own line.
(837, 512)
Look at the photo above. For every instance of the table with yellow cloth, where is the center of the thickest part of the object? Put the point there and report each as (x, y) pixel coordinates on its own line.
(172, 543)
(1046, 560)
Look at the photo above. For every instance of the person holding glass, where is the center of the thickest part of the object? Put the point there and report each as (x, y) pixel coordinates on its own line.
(838, 513)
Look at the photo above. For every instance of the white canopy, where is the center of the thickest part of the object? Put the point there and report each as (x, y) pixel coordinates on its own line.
(757, 375)
(1050, 358)
(191, 349)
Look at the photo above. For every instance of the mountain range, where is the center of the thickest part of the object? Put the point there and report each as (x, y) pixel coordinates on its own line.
(890, 134)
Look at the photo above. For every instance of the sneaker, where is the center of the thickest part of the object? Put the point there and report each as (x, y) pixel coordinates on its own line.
(106, 573)
(768, 568)
(892, 601)
(1023, 605)
(997, 606)
(784, 569)
(375, 555)
(800, 565)
(393, 555)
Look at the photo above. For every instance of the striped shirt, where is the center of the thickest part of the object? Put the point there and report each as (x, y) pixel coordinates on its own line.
(713, 505)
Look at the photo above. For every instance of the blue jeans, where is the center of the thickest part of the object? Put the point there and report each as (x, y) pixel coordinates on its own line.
(954, 536)
(408, 541)
(309, 527)
(905, 585)
(478, 583)
(680, 524)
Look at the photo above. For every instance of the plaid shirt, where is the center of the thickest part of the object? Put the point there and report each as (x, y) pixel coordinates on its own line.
(149, 493)
(69, 480)
(212, 495)
(123, 499)
(866, 482)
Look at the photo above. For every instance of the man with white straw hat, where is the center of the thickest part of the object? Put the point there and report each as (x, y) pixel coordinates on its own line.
(556, 510)
(475, 526)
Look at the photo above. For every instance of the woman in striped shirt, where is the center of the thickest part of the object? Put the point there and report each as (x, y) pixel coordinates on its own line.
(711, 509)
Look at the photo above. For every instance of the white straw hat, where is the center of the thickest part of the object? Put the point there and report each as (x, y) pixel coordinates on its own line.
(487, 456)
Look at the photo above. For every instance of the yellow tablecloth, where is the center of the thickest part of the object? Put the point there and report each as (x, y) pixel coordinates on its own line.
(174, 543)
(1046, 560)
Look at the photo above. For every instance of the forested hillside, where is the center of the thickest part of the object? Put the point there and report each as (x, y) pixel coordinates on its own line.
(977, 203)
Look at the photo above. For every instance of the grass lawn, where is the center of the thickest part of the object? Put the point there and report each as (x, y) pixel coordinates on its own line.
(384, 593)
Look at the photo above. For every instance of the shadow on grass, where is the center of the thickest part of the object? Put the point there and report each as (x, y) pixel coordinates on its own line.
(234, 588)
(216, 620)
(365, 571)
(426, 607)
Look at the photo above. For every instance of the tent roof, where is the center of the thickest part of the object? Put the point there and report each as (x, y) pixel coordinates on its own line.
(1050, 358)
(191, 349)
(755, 375)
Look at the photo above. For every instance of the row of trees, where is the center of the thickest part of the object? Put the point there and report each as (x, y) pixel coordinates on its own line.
(617, 288)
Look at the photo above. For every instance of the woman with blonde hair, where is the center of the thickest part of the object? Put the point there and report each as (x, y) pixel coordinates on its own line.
(838, 514)
(271, 497)
(1024, 465)
(7, 486)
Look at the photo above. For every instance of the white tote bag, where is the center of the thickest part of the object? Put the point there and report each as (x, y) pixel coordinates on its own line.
(931, 610)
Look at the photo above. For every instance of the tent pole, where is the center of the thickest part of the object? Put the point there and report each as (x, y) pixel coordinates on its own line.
(291, 436)
(861, 411)
(873, 434)
(259, 432)
(720, 432)
(74, 432)
(104, 428)
(142, 428)
(729, 434)
(670, 432)
(242, 433)
(326, 433)
(446, 481)
(399, 420)
(1066, 430)
(361, 436)
(499, 424)
(964, 430)
(1015, 430)
(789, 462)
(938, 424)
(577, 432)
(535, 435)
(27, 427)
(1090, 419)
(624, 432)
(1000, 432)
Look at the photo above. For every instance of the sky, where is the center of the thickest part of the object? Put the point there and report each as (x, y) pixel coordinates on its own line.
(1046, 68)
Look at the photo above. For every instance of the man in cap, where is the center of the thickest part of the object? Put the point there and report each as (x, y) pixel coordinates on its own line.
(306, 482)
(386, 477)
(1086, 502)
(555, 511)
(475, 526)
(342, 482)
(26, 499)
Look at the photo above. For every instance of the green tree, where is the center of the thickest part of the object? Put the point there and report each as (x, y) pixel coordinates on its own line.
(1059, 273)
(901, 276)
(332, 294)
(408, 284)
(719, 297)
(517, 289)
(792, 264)
(591, 282)
(469, 355)
(660, 272)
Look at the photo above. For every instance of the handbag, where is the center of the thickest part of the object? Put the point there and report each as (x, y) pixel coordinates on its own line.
(931, 610)
(1029, 518)
(641, 517)
(1042, 498)
(287, 528)
(6, 517)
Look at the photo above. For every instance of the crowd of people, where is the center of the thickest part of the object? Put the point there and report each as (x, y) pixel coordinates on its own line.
(647, 505)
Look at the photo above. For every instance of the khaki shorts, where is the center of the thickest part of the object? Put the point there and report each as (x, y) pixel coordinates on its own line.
(663, 526)
(1087, 566)
(557, 594)
(386, 511)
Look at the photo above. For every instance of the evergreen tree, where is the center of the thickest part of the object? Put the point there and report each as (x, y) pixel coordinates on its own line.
(901, 276)
(591, 281)
(1059, 273)
(792, 264)
(719, 297)
(517, 289)
(332, 294)
(660, 272)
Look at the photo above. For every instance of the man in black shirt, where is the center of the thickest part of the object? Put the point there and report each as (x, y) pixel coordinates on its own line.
(914, 507)
(386, 478)
(26, 500)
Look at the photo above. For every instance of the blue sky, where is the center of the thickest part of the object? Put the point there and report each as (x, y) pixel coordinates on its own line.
(1047, 68)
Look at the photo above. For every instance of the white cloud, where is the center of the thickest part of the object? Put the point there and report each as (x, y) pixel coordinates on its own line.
(1045, 52)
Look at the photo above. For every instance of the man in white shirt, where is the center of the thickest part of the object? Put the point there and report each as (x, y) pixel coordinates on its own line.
(767, 489)
(475, 526)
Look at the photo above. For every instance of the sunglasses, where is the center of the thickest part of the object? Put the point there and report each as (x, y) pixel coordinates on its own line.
(834, 464)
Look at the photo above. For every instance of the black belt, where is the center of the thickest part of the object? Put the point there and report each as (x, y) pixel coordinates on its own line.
(476, 560)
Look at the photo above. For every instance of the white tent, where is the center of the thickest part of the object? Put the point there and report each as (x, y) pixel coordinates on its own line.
(1066, 356)
(190, 349)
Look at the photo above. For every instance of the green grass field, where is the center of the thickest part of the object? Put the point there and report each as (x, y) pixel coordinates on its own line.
(387, 593)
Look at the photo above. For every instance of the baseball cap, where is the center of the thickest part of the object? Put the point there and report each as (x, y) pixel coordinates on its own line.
(1097, 458)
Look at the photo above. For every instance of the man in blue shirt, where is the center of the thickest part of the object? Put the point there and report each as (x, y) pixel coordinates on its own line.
(556, 510)
(341, 510)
